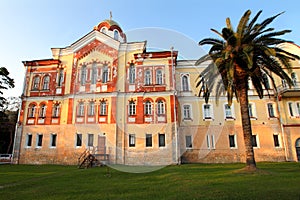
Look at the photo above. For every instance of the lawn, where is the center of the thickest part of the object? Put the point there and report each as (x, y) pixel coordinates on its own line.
(192, 181)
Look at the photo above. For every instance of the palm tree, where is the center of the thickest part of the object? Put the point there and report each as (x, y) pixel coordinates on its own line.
(238, 57)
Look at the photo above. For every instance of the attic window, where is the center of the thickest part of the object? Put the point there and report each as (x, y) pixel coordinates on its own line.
(116, 35)
(103, 30)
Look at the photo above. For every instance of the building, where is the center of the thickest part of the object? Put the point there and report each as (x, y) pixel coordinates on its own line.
(138, 107)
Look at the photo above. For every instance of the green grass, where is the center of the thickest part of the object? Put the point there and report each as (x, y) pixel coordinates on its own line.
(194, 181)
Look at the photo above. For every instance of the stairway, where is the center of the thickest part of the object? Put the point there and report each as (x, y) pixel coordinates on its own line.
(86, 160)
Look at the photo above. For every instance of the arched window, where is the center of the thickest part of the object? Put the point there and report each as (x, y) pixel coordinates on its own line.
(105, 74)
(42, 112)
(83, 75)
(103, 30)
(36, 83)
(46, 82)
(266, 81)
(94, 73)
(131, 73)
(148, 108)
(103, 108)
(147, 77)
(55, 110)
(185, 83)
(132, 108)
(31, 110)
(159, 77)
(80, 109)
(91, 108)
(116, 35)
(161, 107)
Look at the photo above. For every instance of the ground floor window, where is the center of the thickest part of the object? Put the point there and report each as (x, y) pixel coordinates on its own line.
(39, 140)
(188, 141)
(254, 141)
(232, 143)
(28, 140)
(161, 140)
(53, 140)
(276, 140)
(131, 140)
(78, 140)
(90, 140)
(148, 140)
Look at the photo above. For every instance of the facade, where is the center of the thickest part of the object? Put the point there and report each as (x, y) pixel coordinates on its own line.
(115, 98)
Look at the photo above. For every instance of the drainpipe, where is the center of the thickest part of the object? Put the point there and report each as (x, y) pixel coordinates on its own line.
(175, 115)
(281, 126)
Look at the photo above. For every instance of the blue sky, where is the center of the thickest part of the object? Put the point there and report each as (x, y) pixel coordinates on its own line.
(29, 28)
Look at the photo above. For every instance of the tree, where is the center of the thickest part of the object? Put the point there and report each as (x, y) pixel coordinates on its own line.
(247, 54)
(5, 83)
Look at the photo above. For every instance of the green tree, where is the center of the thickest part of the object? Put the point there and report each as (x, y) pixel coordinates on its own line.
(5, 83)
(247, 54)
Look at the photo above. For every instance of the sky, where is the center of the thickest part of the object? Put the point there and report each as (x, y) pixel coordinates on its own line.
(30, 28)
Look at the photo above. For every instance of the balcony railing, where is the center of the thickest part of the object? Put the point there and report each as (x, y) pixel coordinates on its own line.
(286, 91)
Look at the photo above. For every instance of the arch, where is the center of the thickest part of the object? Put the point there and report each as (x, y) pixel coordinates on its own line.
(297, 144)
(31, 110)
(148, 106)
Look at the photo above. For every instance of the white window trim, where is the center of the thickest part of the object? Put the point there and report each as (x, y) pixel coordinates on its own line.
(37, 140)
(190, 111)
(211, 112)
(235, 141)
(232, 112)
(191, 141)
(257, 141)
(51, 140)
(279, 140)
(254, 113)
(188, 82)
(274, 110)
(77, 147)
(26, 140)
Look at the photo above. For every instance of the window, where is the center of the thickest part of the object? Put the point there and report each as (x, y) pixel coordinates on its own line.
(132, 108)
(91, 108)
(148, 140)
(39, 140)
(290, 105)
(53, 140)
(131, 140)
(298, 108)
(148, 108)
(105, 74)
(60, 77)
(210, 141)
(103, 30)
(207, 111)
(160, 107)
(276, 140)
(36, 83)
(271, 112)
(232, 142)
(80, 109)
(294, 78)
(83, 75)
(254, 141)
(266, 81)
(188, 141)
(78, 140)
(31, 111)
(28, 140)
(42, 110)
(46, 83)
(283, 81)
(94, 74)
(147, 77)
(55, 112)
(252, 112)
(159, 77)
(103, 109)
(186, 111)
(228, 112)
(161, 140)
(185, 83)
(90, 140)
(116, 35)
(131, 73)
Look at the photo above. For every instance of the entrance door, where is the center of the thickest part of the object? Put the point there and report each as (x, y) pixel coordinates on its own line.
(298, 149)
(101, 145)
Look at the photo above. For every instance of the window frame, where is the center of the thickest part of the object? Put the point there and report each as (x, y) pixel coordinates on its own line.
(94, 73)
(29, 139)
(226, 112)
(90, 140)
(53, 140)
(131, 140)
(159, 77)
(271, 112)
(132, 108)
(81, 109)
(39, 140)
(187, 112)
(56, 111)
(132, 73)
(276, 140)
(161, 139)
(148, 140)
(46, 82)
(36, 82)
(92, 108)
(188, 142)
(205, 112)
(148, 107)
(31, 111)
(105, 75)
(78, 141)
(161, 108)
(83, 75)
(147, 77)
(232, 141)
(103, 108)
(42, 111)
(185, 86)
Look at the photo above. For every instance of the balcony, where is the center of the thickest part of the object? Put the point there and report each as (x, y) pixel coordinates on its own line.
(286, 91)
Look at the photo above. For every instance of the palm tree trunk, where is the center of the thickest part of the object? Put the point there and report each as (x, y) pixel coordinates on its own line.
(246, 124)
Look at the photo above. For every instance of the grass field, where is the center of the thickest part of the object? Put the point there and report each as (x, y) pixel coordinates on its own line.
(193, 181)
